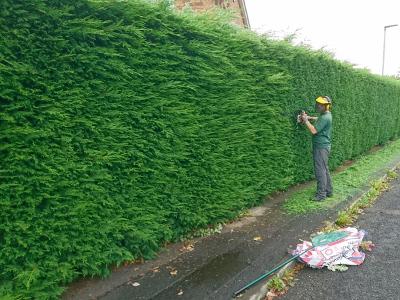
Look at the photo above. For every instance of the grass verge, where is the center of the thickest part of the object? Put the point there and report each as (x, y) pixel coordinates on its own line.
(346, 183)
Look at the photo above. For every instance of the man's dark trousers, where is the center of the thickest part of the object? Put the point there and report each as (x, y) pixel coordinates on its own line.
(324, 183)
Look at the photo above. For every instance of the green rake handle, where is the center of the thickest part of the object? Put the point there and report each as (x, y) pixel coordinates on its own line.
(270, 272)
(319, 240)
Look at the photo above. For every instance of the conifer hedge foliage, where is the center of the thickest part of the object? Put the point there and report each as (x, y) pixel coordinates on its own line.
(124, 125)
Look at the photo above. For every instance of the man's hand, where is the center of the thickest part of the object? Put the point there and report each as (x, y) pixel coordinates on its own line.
(306, 121)
(304, 117)
(301, 117)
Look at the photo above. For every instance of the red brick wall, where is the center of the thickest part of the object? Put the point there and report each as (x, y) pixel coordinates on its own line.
(202, 5)
(198, 5)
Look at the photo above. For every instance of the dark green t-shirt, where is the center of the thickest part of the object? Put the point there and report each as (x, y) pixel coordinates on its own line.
(322, 139)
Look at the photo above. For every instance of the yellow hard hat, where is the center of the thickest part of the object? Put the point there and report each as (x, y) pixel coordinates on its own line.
(324, 100)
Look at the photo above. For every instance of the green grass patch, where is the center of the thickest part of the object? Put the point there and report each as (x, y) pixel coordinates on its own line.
(276, 284)
(346, 183)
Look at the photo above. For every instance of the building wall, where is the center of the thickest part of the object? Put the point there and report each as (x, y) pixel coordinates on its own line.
(203, 5)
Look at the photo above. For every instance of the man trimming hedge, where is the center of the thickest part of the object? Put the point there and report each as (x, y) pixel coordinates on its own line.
(321, 131)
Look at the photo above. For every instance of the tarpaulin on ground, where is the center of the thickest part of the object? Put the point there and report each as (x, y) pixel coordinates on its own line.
(343, 251)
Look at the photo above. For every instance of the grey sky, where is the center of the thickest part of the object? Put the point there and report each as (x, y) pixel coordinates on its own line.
(352, 29)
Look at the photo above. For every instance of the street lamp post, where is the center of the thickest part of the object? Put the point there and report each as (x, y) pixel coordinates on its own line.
(384, 41)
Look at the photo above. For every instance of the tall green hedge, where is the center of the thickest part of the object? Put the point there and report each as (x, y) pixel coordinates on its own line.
(124, 125)
(366, 108)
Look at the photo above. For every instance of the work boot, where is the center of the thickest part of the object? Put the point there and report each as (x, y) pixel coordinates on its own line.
(319, 198)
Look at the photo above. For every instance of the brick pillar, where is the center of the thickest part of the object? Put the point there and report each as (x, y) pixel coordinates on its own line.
(198, 5)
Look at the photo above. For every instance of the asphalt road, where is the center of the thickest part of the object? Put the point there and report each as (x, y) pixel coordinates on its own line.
(379, 276)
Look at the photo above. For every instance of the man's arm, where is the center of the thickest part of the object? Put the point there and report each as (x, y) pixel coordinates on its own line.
(306, 121)
(310, 127)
